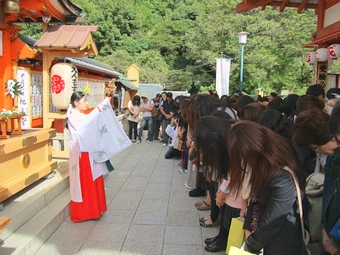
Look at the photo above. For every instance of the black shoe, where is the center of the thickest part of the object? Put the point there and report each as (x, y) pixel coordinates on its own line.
(197, 193)
(210, 240)
(215, 247)
(202, 219)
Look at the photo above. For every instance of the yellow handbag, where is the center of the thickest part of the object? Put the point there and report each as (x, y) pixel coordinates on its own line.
(236, 235)
(237, 251)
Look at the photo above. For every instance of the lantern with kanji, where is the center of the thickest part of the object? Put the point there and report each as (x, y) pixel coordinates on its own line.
(311, 57)
(321, 54)
(64, 80)
(333, 50)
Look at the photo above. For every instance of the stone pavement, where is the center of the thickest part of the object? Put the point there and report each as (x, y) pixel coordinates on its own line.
(149, 212)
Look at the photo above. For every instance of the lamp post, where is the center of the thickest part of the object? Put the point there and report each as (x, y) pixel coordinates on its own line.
(242, 39)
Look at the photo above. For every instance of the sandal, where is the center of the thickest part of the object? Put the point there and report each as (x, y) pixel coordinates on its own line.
(209, 225)
(199, 203)
(203, 207)
(203, 219)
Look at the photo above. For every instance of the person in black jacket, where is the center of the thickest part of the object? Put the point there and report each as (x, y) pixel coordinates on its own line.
(258, 161)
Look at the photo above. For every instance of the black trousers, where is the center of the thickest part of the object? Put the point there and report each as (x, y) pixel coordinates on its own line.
(133, 126)
(215, 210)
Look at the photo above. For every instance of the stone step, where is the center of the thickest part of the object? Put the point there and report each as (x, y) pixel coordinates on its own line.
(32, 235)
(35, 212)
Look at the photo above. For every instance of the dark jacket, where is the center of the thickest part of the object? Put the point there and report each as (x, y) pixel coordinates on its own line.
(331, 196)
(278, 229)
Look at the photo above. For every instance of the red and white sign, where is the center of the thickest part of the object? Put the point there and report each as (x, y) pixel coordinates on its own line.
(333, 50)
(64, 80)
(311, 57)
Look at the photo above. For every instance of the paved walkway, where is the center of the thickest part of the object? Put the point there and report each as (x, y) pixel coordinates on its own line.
(149, 212)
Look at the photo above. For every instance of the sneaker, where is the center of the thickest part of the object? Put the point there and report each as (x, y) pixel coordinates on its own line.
(164, 144)
(182, 171)
(187, 186)
(139, 141)
(147, 141)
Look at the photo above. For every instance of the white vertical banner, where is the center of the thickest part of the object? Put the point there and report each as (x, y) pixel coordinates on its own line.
(222, 76)
(24, 104)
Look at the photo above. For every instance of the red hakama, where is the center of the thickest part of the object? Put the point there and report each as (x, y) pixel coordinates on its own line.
(93, 194)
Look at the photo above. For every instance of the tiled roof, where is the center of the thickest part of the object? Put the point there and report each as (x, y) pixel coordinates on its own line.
(75, 38)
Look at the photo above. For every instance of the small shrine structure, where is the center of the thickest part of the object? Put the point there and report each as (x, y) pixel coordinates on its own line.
(325, 41)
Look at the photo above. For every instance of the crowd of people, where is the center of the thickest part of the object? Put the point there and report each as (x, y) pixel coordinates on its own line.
(244, 155)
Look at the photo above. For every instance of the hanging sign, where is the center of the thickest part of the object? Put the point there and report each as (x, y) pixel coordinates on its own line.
(311, 57)
(64, 80)
(321, 54)
(333, 50)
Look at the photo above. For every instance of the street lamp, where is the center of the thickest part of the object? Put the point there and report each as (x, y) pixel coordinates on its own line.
(242, 39)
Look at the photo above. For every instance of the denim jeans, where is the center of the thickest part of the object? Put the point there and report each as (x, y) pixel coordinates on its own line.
(172, 153)
(133, 127)
(142, 125)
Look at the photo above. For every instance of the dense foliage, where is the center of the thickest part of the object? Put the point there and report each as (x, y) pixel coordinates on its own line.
(176, 42)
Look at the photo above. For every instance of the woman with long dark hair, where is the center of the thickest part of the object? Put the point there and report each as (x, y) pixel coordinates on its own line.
(211, 134)
(259, 163)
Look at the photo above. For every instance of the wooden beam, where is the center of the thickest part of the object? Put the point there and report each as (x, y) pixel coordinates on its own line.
(249, 5)
(327, 32)
(283, 5)
(302, 6)
(331, 3)
(21, 18)
(30, 15)
(321, 15)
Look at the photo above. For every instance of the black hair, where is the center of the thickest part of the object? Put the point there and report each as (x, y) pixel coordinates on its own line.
(332, 92)
(76, 96)
(335, 120)
(211, 137)
(315, 90)
(274, 120)
(289, 105)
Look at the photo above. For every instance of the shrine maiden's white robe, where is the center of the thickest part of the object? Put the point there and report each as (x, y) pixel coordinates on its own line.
(98, 133)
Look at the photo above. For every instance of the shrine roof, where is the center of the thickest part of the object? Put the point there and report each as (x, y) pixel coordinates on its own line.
(47, 11)
(68, 37)
(87, 63)
(247, 5)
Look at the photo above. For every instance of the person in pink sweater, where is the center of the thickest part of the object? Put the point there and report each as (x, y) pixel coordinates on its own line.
(231, 205)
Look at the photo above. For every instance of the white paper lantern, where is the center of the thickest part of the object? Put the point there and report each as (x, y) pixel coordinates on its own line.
(311, 57)
(333, 51)
(64, 80)
(321, 55)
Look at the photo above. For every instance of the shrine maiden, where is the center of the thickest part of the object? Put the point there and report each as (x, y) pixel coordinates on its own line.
(94, 139)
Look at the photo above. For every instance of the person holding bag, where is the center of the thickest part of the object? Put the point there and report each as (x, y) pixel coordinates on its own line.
(257, 171)
(133, 118)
